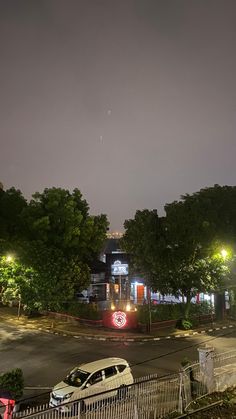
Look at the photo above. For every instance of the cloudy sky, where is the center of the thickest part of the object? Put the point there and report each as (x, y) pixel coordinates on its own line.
(131, 101)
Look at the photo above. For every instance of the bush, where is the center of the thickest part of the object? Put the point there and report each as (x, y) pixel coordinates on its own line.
(13, 381)
(85, 311)
(184, 324)
(162, 312)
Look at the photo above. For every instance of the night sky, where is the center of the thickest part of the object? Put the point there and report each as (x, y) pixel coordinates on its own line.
(133, 102)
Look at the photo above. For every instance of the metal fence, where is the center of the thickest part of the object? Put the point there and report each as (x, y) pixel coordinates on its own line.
(225, 358)
(148, 397)
(151, 396)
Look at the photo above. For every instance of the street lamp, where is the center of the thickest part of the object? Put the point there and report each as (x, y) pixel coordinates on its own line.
(224, 253)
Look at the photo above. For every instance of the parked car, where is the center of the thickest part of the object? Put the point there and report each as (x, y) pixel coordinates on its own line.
(91, 379)
(81, 298)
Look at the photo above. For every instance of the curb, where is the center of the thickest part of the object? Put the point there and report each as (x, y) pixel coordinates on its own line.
(104, 338)
(134, 339)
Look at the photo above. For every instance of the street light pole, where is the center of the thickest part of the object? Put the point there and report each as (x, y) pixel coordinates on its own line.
(19, 306)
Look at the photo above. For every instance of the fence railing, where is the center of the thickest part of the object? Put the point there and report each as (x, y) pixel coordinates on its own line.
(148, 397)
(225, 358)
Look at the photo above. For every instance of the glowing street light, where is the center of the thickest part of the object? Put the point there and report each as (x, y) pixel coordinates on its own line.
(224, 253)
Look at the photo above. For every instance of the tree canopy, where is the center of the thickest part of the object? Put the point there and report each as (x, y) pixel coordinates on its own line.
(54, 237)
(180, 253)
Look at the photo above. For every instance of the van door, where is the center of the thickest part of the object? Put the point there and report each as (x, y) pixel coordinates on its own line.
(94, 385)
(111, 380)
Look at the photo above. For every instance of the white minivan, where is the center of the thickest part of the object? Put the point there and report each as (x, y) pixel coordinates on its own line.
(91, 379)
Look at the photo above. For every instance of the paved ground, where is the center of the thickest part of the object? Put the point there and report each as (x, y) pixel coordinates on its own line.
(52, 325)
(45, 358)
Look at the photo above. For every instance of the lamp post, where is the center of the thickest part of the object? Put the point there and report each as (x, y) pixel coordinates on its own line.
(220, 295)
(19, 306)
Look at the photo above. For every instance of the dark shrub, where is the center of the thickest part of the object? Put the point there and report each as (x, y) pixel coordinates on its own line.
(13, 381)
(84, 311)
(184, 324)
(164, 312)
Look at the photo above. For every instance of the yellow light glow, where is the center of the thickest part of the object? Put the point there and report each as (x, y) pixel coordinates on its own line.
(128, 307)
(112, 307)
(224, 253)
(9, 258)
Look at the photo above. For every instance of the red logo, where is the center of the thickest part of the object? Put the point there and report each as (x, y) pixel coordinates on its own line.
(119, 319)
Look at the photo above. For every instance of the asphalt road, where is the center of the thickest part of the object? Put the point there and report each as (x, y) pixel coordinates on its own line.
(45, 358)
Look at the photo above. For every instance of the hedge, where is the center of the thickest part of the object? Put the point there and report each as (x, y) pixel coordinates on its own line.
(13, 381)
(163, 312)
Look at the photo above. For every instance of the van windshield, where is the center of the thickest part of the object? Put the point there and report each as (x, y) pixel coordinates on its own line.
(76, 377)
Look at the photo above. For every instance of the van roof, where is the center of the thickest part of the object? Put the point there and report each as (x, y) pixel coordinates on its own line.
(102, 363)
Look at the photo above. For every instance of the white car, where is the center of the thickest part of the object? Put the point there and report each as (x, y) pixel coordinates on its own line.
(81, 298)
(91, 379)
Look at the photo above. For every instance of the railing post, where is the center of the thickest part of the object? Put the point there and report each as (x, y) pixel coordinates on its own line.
(180, 404)
(206, 363)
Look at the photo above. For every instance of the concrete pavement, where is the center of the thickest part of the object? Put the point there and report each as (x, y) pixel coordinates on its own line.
(64, 328)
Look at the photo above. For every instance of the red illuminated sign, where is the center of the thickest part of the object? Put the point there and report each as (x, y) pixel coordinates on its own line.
(119, 319)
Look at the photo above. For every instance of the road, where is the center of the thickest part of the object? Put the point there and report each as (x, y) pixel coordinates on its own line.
(45, 358)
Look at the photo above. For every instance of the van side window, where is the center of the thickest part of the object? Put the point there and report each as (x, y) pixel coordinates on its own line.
(109, 372)
(96, 377)
(121, 368)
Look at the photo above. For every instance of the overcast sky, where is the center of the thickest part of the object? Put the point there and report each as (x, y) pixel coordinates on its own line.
(131, 101)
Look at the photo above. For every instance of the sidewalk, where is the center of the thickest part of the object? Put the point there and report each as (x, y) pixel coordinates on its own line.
(64, 328)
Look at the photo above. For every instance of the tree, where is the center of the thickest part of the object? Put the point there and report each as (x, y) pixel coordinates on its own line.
(15, 280)
(146, 241)
(12, 203)
(197, 227)
(56, 241)
(177, 252)
(60, 219)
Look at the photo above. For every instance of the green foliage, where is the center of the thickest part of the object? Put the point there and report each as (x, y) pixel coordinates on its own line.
(13, 381)
(12, 203)
(162, 312)
(15, 280)
(145, 241)
(184, 324)
(61, 220)
(178, 253)
(54, 238)
(84, 311)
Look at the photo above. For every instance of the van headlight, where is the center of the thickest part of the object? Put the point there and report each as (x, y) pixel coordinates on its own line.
(67, 396)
